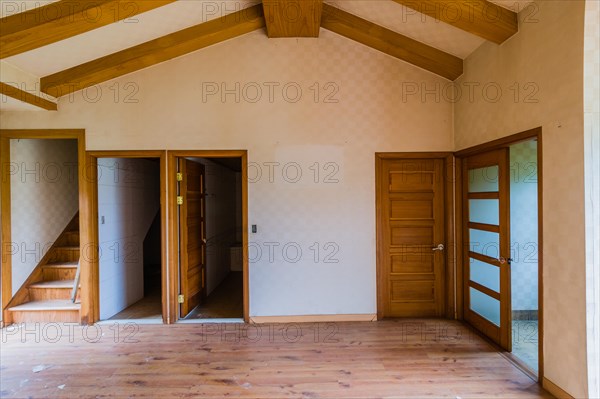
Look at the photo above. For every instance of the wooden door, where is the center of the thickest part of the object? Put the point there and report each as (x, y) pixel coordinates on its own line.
(486, 235)
(412, 238)
(192, 235)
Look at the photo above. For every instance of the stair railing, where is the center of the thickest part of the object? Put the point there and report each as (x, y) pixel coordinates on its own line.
(76, 283)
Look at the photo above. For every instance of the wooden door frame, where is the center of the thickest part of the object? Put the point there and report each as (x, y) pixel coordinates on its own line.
(173, 229)
(92, 174)
(504, 142)
(85, 215)
(449, 226)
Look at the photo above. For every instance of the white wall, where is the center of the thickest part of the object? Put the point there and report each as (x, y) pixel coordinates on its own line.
(44, 199)
(337, 135)
(128, 199)
(220, 220)
(543, 63)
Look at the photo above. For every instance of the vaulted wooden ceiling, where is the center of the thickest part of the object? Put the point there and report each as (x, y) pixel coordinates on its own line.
(28, 36)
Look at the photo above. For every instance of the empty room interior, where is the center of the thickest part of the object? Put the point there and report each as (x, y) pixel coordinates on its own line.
(300, 198)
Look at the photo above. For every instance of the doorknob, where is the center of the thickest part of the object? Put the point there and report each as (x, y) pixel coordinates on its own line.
(440, 247)
(504, 260)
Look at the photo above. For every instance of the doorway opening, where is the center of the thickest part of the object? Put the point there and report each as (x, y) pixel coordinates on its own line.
(41, 183)
(130, 238)
(208, 226)
(524, 251)
(501, 209)
(214, 238)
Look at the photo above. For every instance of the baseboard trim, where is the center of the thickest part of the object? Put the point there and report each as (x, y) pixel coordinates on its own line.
(555, 390)
(318, 318)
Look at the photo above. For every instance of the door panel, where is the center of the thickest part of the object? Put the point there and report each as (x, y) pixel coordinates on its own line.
(412, 224)
(486, 232)
(192, 235)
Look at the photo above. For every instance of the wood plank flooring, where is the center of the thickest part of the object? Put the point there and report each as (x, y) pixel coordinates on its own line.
(225, 302)
(149, 307)
(395, 358)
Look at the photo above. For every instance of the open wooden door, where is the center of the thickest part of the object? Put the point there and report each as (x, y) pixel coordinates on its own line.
(192, 235)
(486, 234)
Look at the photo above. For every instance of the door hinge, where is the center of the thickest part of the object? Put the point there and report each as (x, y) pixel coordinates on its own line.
(179, 200)
(180, 298)
(179, 176)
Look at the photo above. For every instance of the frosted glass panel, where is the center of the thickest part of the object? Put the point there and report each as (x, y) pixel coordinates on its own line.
(483, 179)
(485, 306)
(484, 211)
(485, 274)
(485, 243)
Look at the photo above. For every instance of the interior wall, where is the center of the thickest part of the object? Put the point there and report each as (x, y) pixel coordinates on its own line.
(539, 73)
(311, 151)
(128, 199)
(220, 221)
(592, 189)
(44, 199)
(524, 225)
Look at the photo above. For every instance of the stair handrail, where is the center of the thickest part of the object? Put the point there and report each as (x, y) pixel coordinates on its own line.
(75, 283)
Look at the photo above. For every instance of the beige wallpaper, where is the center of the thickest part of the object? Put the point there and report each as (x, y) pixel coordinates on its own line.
(539, 73)
(311, 114)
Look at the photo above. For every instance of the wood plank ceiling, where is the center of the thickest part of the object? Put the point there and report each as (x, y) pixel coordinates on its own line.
(26, 31)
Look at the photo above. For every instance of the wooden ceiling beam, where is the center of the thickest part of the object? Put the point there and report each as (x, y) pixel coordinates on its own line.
(293, 18)
(64, 19)
(479, 17)
(26, 97)
(153, 52)
(390, 42)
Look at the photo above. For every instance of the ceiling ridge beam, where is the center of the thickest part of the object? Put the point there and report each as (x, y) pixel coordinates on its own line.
(153, 52)
(293, 18)
(391, 43)
(479, 17)
(27, 97)
(61, 20)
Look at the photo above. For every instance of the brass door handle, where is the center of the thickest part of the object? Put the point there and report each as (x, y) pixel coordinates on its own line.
(440, 247)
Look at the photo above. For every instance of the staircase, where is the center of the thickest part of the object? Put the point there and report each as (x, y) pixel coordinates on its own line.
(46, 294)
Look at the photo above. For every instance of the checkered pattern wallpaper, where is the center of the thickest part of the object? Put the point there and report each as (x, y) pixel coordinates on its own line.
(311, 113)
(44, 198)
(524, 225)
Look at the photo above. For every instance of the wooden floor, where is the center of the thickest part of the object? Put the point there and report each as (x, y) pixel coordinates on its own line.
(149, 307)
(225, 302)
(398, 358)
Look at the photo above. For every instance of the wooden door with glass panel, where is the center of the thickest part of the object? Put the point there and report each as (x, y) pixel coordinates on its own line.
(486, 235)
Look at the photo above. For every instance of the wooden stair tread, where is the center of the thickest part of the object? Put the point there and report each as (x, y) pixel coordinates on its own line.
(61, 265)
(53, 284)
(49, 305)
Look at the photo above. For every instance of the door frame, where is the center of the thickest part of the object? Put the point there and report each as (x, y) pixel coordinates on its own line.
(87, 302)
(92, 175)
(535, 133)
(173, 225)
(450, 269)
